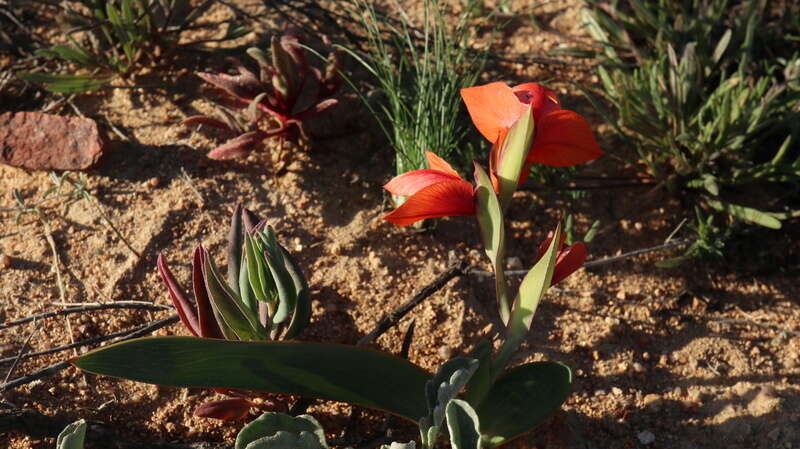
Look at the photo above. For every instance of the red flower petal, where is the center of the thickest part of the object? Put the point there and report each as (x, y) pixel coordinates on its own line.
(569, 260)
(226, 409)
(412, 182)
(493, 108)
(542, 100)
(563, 139)
(437, 163)
(447, 198)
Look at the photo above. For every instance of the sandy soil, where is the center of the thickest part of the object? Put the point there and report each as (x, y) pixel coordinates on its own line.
(702, 356)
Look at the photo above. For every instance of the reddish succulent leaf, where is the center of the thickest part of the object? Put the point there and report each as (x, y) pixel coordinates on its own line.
(239, 147)
(318, 108)
(207, 319)
(206, 121)
(493, 108)
(447, 198)
(233, 409)
(182, 305)
(412, 182)
(243, 86)
(563, 139)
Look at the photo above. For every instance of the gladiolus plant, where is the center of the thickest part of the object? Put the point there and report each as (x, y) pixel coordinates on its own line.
(498, 405)
(526, 125)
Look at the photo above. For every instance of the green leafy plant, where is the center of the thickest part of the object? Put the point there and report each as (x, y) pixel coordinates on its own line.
(265, 297)
(705, 92)
(419, 73)
(112, 37)
(500, 403)
(287, 90)
(73, 436)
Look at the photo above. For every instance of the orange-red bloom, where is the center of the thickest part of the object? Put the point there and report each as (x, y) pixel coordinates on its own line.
(434, 192)
(569, 258)
(562, 138)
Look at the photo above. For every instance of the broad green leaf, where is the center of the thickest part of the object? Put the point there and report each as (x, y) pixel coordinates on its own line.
(747, 213)
(513, 152)
(67, 84)
(490, 222)
(270, 424)
(522, 399)
(463, 424)
(286, 440)
(72, 437)
(327, 371)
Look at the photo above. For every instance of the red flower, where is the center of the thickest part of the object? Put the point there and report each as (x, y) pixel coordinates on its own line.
(434, 192)
(569, 258)
(562, 138)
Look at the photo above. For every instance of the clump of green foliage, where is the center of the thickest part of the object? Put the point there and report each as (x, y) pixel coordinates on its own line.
(419, 71)
(706, 91)
(114, 37)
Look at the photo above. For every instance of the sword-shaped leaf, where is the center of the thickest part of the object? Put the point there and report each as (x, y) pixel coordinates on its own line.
(327, 371)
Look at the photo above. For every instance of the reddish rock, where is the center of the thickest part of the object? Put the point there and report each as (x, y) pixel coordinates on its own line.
(40, 141)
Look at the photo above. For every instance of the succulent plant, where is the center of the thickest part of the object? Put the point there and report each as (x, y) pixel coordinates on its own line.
(265, 297)
(287, 90)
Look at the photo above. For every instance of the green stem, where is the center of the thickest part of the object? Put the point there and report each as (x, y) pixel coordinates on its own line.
(501, 287)
(509, 347)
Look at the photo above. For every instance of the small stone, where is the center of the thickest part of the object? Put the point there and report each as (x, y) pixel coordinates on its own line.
(596, 355)
(646, 437)
(513, 263)
(678, 392)
(5, 261)
(40, 141)
(638, 367)
(621, 295)
(694, 394)
(153, 182)
(653, 401)
(769, 391)
(616, 391)
(444, 352)
(599, 393)
(638, 226)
